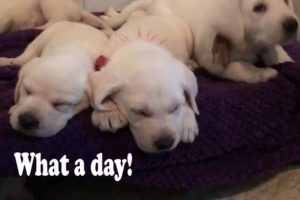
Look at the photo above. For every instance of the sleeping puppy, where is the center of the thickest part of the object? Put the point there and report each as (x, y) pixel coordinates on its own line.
(19, 14)
(153, 90)
(53, 81)
(155, 30)
(256, 28)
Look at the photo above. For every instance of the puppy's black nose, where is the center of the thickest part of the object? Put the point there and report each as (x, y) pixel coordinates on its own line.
(164, 143)
(28, 121)
(290, 26)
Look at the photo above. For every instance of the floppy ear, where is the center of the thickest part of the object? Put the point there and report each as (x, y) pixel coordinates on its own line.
(231, 26)
(85, 101)
(105, 84)
(190, 86)
(21, 75)
(17, 89)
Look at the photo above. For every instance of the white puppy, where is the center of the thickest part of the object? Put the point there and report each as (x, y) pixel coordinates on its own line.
(151, 93)
(21, 14)
(153, 90)
(255, 28)
(53, 81)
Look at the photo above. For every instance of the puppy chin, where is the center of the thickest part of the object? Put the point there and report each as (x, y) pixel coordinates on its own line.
(151, 149)
(40, 133)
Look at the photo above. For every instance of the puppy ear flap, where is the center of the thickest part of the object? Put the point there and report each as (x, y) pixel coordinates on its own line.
(22, 73)
(17, 89)
(232, 26)
(190, 86)
(85, 102)
(105, 84)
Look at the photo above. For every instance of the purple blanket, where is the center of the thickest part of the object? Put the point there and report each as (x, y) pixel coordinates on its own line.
(245, 131)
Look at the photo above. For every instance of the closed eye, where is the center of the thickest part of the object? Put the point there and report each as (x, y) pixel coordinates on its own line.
(260, 8)
(61, 106)
(287, 2)
(174, 109)
(28, 91)
(141, 112)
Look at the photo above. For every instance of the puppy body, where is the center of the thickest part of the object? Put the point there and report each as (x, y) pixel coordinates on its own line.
(169, 32)
(20, 14)
(153, 90)
(53, 81)
(255, 28)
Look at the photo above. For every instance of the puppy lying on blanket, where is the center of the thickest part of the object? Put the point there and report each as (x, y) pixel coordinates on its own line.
(255, 29)
(148, 86)
(20, 14)
(53, 81)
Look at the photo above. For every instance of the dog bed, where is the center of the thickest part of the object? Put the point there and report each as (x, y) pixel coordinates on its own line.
(245, 131)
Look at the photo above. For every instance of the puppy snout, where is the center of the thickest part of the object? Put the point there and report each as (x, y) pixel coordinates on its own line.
(290, 26)
(164, 143)
(28, 121)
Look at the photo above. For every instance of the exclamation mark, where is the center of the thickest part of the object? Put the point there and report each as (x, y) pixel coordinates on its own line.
(129, 161)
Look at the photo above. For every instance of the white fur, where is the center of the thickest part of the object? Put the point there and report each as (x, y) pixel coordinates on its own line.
(169, 32)
(152, 89)
(55, 69)
(25, 14)
(251, 34)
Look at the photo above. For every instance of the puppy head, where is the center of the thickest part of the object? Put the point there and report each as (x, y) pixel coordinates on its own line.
(151, 89)
(269, 22)
(47, 95)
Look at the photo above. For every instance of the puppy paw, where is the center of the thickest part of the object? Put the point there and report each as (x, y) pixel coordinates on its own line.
(268, 73)
(111, 12)
(11, 110)
(263, 75)
(193, 65)
(113, 22)
(190, 128)
(109, 121)
(107, 19)
(6, 62)
(285, 58)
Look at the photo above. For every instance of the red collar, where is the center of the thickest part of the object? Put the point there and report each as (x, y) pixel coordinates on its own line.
(101, 62)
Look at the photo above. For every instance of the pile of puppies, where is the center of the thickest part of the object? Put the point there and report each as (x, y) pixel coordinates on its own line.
(146, 80)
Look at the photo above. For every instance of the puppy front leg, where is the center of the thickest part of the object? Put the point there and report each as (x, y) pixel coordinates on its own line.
(246, 72)
(190, 127)
(19, 61)
(33, 50)
(275, 55)
(110, 121)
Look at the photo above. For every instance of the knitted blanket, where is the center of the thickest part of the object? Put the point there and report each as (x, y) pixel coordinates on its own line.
(245, 131)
